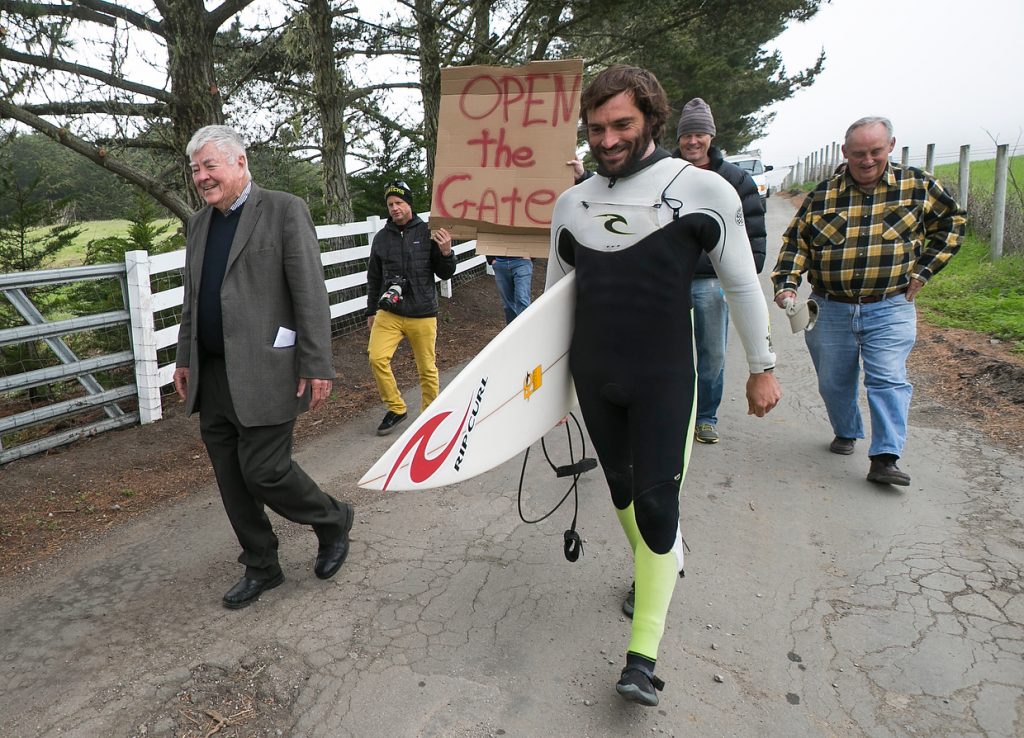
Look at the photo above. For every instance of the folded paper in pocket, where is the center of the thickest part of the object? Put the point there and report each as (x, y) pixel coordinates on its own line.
(285, 338)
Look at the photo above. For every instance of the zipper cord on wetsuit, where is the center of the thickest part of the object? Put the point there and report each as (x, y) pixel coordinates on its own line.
(572, 545)
(675, 205)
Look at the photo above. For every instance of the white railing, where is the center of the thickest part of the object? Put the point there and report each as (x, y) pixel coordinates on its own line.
(150, 377)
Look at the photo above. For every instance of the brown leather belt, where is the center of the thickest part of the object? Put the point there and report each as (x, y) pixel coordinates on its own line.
(861, 300)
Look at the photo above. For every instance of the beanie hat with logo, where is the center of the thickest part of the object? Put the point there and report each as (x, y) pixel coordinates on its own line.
(398, 189)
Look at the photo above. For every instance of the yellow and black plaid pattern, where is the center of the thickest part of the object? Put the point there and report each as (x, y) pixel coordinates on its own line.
(854, 243)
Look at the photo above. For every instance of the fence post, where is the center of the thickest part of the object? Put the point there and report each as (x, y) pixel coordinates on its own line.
(929, 159)
(836, 155)
(799, 173)
(905, 156)
(999, 202)
(140, 310)
(965, 174)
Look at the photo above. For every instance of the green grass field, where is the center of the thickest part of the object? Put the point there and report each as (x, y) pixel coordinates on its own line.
(96, 229)
(983, 175)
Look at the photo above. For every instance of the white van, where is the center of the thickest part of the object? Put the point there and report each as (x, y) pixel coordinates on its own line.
(750, 162)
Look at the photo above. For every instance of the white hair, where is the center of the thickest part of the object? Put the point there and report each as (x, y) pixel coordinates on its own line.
(870, 121)
(225, 138)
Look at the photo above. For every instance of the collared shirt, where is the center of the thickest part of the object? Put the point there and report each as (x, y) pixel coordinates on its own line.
(241, 198)
(854, 243)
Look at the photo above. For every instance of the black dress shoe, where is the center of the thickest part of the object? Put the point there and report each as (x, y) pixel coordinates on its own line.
(247, 591)
(886, 472)
(330, 556)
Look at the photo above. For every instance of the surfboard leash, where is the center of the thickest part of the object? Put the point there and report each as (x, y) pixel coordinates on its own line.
(572, 545)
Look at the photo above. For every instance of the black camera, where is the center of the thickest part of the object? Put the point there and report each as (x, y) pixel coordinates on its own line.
(393, 292)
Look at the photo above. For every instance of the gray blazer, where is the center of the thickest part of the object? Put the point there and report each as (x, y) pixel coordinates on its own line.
(274, 279)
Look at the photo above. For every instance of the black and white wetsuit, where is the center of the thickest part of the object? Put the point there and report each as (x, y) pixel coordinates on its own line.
(634, 242)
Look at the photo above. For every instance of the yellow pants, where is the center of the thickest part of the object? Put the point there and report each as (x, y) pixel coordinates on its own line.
(387, 332)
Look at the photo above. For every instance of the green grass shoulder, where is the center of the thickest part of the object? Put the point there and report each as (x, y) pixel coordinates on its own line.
(978, 294)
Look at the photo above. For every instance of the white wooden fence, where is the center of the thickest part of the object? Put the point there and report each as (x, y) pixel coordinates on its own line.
(144, 304)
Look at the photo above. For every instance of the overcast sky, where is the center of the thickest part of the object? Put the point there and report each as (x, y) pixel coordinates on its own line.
(943, 71)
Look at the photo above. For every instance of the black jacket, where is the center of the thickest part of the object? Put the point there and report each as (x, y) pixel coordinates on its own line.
(408, 254)
(753, 210)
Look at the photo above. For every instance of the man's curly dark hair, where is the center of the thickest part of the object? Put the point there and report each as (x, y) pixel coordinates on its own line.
(644, 87)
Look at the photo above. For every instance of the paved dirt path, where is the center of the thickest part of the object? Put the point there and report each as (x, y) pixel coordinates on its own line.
(815, 603)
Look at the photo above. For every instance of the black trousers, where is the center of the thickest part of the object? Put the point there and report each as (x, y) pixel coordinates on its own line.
(254, 470)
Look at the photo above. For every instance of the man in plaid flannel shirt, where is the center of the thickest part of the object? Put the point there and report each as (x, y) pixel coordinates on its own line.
(869, 238)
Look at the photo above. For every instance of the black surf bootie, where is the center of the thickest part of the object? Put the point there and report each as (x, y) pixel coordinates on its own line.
(637, 683)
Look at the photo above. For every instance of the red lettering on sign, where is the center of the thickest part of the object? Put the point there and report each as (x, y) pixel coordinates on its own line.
(493, 115)
(471, 94)
(456, 199)
(531, 100)
(488, 204)
(504, 155)
(514, 199)
(565, 98)
(506, 85)
(541, 198)
(508, 93)
(442, 189)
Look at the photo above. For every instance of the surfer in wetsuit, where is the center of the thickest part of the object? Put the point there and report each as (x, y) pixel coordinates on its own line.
(634, 233)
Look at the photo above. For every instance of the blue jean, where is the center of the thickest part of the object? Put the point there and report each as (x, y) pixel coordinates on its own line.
(513, 276)
(710, 329)
(880, 336)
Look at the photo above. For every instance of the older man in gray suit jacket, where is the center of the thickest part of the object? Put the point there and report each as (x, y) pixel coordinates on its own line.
(254, 351)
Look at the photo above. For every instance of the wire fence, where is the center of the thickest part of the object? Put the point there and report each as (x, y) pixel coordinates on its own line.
(995, 209)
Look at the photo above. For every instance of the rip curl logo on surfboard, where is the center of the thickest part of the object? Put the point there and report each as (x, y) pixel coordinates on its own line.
(471, 423)
(422, 467)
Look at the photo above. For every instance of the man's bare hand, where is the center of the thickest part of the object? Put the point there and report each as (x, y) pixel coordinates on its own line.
(321, 389)
(763, 393)
(443, 239)
(181, 382)
(913, 287)
(782, 297)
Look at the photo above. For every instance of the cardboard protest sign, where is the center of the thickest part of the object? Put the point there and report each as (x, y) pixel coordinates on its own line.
(504, 135)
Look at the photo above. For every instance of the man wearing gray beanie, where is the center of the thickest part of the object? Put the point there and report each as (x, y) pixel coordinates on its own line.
(694, 132)
(696, 118)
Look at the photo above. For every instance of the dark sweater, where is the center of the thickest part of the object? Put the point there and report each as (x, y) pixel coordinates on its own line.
(209, 320)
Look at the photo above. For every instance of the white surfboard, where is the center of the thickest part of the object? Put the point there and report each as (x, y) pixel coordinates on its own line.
(515, 390)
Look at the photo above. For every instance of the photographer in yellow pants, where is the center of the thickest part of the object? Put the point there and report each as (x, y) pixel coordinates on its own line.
(401, 299)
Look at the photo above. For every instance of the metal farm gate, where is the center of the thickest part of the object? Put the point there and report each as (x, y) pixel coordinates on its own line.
(59, 395)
